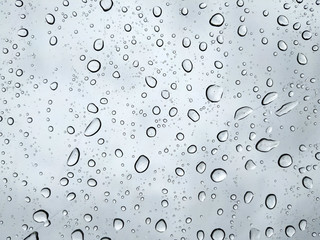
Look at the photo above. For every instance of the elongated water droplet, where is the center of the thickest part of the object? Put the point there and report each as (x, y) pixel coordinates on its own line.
(218, 175)
(242, 30)
(269, 98)
(77, 235)
(93, 127)
(98, 44)
(32, 236)
(283, 20)
(23, 32)
(271, 201)
(161, 226)
(285, 160)
(151, 81)
(248, 197)
(286, 108)
(254, 234)
(106, 5)
(242, 113)
(142, 164)
(50, 19)
(202, 196)
(41, 216)
(200, 235)
(303, 224)
(118, 224)
(214, 93)
(266, 145)
(187, 65)
(217, 20)
(307, 182)
(157, 11)
(201, 167)
(302, 59)
(73, 157)
(193, 115)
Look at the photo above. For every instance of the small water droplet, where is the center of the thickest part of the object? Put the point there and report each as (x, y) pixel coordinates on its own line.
(151, 81)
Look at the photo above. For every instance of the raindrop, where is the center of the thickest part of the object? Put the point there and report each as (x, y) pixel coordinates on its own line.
(179, 171)
(223, 136)
(254, 234)
(118, 224)
(151, 81)
(142, 164)
(271, 201)
(73, 157)
(77, 235)
(157, 11)
(32, 236)
(303, 224)
(283, 20)
(50, 19)
(106, 5)
(187, 65)
(92, 108)
(269, 98)
(93, 127)
(161, 226)
(242, 113)
(214, 93)
(41, 216)
(92, 182)
(282, 45)
(307, 182)
(200, 235)
(290, 231)
(46, 192)
(242, 30)
(186, 42)
(94, 66)
(302, 59)
(285, 108)
(22, 32)
(218, 175)
(285, 160)
(98, 44)
(201, 167)
(217, 20)
(266, 145)
(151, 132)
(248, 196)
(218, 234)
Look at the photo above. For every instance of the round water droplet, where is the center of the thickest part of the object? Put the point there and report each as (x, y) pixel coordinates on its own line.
(22, 32)
(161, 226)
(285, 160)
(271, 201)
(151, 132)
(93, 127)
(218, 64)
(77, 235)
(202, 196)
(118, 224)
(106, 5)
(50, 19)
(218, 175)
(193, 115)
(46, 192)
(53, 40)
(214, 93)
(201, 167)
(283, 20)
(157, 11)
(218, 234)
(186, 42)
(98, 44)
(92, 108)
(73, 157)
(302, 59)
(248, 197)
(266, 145)
(179, 171)
(307, 182)
(187, 65)
(41, 216)
(151, 81)
(94, 66)
(223, 136)
(306, 35)
(142, 164)
(282, 45)
(290, 231)
(269, 232)
(217, 20)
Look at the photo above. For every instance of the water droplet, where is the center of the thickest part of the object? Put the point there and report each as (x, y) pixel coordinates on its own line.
(41, 216)
(201, 167)
(142, 164)
(106, 5)
(118, 224)
(307, 182)
(92, 108)
(217, 20)
(161, 226)
(186, 42)
(250, 165)
(242, 113)
(94, 66)
(179, 171)
(214, 93)
(73, 157)
(93, 127)
(200, 235)
(187, 65)
(46, 192)
(193, 115)
(242, 30)
(218, 234)
(283, 20)
(223, 136)
(271, 201)
(151, 81)
(290, 231)
(282, 45)
(303, 224)
(266, 145)
(98, 44)
(306, 35)
(92, 182)
(50, 19)
(269, 98)
(77, 235)
(22, 32)
(302, 59)
(285, 160)
(218, 175)
(202, 196)
(32, 236)
(269, 232)
(53, 40)
(157, 11)
(285, 108)
(248, 197)
(254, 234)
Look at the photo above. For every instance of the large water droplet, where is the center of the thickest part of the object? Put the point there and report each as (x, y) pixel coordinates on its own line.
(269, 98)
(254, 234)
(94, 66)
(193, 115)
(200, 235)
(223, 136)
(106, 5)
(242, 30)
(151, 81)
(307, 182)
(73, 157)
(290, 231)
(285, 108)
(50, 19)
(157, 11)
(77, 235)
(142, 164)
(248, 196)
(218, 175)
(23, 32)
(201, 167)
(118, 224)
(266, 145)
(303, 224)
(214, 93)
(98, 44)
(41, 216)
(93, 127)
(218, 234)
(302, 59)
(271, 201)
(285, 160)
(283, 20)
(161, 226)
(217, 20)
(242, 113)
(187, 65)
